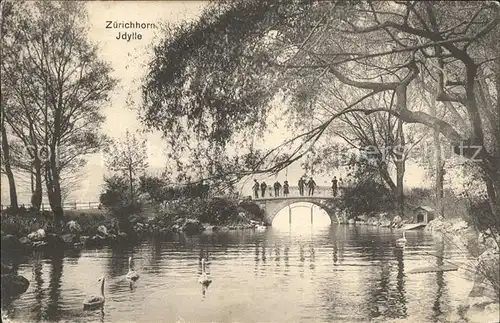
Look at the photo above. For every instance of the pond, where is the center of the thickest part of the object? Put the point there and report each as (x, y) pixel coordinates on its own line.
(328, 273)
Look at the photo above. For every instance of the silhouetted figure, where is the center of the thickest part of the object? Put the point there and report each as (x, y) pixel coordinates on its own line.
(334, 185)
(302, 183)
(286, 188)
(256, 188)
(277, 188)
(311, 184)
(263, 187)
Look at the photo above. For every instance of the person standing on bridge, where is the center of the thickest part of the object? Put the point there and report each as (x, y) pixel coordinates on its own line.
(286, 189)
(334, 186)
(302, 182)
(263, 187)
(256, 188)
(311, 184)
(277, 188)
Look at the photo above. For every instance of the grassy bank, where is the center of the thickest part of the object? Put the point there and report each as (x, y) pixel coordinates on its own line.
(26, 221)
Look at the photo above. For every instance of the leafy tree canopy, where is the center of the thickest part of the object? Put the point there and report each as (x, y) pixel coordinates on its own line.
(214, 82)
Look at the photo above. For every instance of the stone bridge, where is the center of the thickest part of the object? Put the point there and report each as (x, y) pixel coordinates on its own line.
(323, 197)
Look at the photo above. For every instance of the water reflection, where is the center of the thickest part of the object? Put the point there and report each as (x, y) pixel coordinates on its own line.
(440, 283)
(38, 286)
(118, 261)
(277, 254)
(312, 254)
(335, 250)
(401, 310)
(286, 259)
(340, 273)
(56, 270)
(301, 253)
(154, 257)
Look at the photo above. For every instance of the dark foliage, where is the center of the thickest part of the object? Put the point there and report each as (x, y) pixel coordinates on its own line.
(252, 208)
(482, 216)
(367, 197)
(154, 187)
(218, 211)
(160, 190)
(115, 192)
(116, 198)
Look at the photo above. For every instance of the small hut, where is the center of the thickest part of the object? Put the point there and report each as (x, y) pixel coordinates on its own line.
(424, 214)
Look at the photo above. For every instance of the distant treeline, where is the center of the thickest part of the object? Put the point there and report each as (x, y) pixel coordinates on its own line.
(155, 189)
(160, 189)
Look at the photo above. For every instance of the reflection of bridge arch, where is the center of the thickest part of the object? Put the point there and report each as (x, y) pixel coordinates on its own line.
(296, 205)
(272, 206)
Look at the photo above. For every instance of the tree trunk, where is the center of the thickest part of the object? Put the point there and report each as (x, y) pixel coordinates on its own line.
(438, 163)
(384, 173)
(396, 188)
(439, 180)
(54, 188)
(36, 197)
(400, 196)
(8, 170)
(400, 161)
(131, 185)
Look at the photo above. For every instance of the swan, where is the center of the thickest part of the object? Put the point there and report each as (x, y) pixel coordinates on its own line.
(203, 279)
(260, 227)
(402, 240)
(132, 274)
(93, 300)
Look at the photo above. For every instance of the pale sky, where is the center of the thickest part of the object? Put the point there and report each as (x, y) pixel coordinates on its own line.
(128, 59)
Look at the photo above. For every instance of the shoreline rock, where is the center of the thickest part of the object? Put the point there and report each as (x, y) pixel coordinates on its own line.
(13, 285)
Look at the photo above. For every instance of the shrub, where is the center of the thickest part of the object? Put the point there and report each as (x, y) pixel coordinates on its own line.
(218, 211)
(366, 197)
(115, 193)
(213, 211)
(90, 222)
(155, 187)
(169, 211)
(22, 225)
(417, 196)
(116, 198)
(252, 208)
(481, 215)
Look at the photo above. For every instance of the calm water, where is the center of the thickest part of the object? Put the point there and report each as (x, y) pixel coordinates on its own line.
(329, 274)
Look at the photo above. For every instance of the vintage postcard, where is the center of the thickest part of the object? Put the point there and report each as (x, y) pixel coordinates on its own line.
(250, 161)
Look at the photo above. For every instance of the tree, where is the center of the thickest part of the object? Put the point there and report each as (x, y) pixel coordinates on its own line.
(6, 163)
(7, 12)
(246, 54)
(129, 158)
(57, 84)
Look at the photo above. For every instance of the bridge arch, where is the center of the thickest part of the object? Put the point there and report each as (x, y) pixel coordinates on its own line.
(272, 206)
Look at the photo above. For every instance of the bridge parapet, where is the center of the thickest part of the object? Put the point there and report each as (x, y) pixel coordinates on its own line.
(324, 191)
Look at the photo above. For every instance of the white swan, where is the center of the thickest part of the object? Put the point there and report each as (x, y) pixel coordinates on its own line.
(203, 279)
(93, 300)
(401, 241)
(132, 274)
(260, 227)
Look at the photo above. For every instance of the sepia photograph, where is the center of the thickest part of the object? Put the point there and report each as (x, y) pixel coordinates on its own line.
(250, 161)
